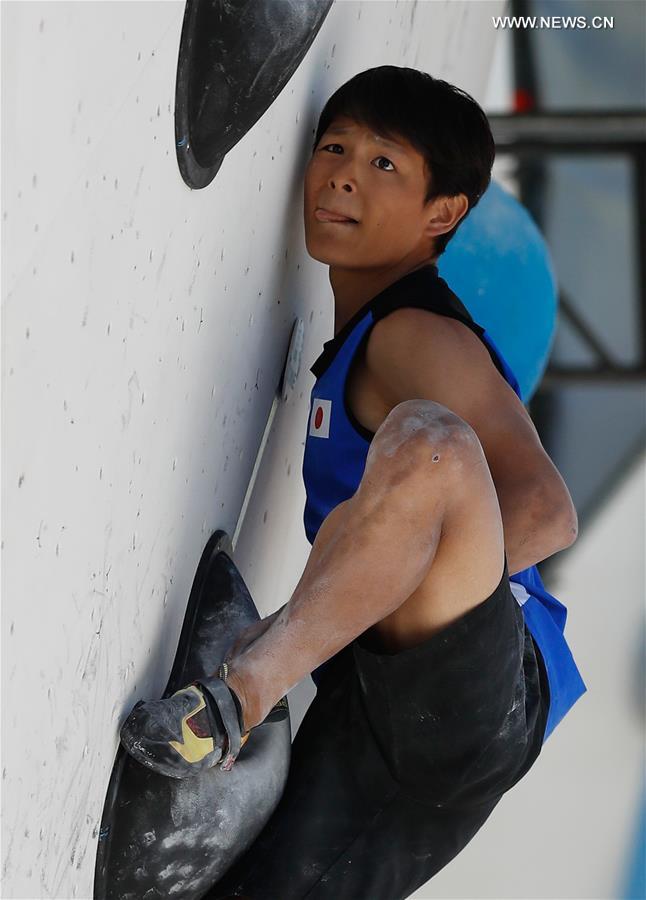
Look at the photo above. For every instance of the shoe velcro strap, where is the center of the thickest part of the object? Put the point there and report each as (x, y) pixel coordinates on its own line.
(220, 695)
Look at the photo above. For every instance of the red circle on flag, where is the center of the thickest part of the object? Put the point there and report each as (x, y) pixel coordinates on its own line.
(318, 417)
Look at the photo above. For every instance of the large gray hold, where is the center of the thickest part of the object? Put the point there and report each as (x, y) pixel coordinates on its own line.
(165, 837)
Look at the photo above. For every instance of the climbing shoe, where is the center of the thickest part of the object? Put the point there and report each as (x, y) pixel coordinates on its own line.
(198, 727)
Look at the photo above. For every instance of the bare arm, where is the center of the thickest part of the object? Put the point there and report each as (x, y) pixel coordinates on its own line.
(413, 353)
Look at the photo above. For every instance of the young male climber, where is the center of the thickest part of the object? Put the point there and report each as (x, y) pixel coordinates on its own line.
(427, 488)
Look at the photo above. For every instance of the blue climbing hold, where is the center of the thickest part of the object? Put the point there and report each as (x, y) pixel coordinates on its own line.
(499, 265)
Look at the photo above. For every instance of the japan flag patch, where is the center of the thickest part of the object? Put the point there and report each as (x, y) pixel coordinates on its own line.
(320, 418)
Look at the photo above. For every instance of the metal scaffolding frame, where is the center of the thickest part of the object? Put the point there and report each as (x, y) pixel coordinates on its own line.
(533, 135)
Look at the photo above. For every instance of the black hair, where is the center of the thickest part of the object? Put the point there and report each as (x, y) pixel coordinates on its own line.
(442, 122)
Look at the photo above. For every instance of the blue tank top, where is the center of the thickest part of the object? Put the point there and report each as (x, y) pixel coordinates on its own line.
(337, 444)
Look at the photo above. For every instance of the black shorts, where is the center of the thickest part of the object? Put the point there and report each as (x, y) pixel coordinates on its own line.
(400, 759)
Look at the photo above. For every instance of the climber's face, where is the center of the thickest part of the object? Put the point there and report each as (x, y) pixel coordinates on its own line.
(380, 184)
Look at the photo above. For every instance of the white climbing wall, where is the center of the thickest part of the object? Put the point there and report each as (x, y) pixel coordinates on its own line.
(144, 330)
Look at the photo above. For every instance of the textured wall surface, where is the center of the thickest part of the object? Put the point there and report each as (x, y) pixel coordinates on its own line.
(144, 331)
